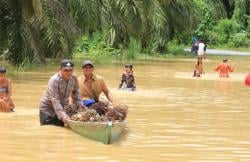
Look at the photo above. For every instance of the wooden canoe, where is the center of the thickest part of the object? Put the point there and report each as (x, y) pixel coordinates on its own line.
(106, 132)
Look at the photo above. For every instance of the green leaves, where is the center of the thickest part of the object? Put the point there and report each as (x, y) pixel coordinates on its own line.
(34, 30)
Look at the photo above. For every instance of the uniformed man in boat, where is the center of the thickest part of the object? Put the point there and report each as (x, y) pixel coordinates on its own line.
(61, 86)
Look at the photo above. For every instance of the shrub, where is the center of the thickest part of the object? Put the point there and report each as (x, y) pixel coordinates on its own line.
(174, 48)
(226, 29)
(248, 24)
(239, 40)
(134, 50)
(95, 48)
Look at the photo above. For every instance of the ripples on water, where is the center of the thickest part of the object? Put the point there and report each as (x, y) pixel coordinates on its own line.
(172, 117)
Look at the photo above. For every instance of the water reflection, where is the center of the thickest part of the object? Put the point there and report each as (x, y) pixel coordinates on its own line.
(223, 85)
(172, 117)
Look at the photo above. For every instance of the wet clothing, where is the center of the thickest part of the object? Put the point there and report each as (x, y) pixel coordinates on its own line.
(6, 105)
(56, 97)
(198, 70)
(128, 80)
(92, 89)
(224, 69)
(4, 89)
(46, 120)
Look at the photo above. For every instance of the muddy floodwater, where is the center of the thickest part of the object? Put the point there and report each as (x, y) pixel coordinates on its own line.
(172, 117)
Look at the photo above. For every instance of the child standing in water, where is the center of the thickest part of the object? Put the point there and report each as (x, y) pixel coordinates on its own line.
(198, 68)
(6, 103)
(127, 79)
(224, 69)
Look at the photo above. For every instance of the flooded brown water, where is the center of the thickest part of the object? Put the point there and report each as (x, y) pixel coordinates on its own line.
(172, 117)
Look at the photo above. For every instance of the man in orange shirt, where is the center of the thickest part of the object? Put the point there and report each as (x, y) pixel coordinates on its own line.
(224, 68)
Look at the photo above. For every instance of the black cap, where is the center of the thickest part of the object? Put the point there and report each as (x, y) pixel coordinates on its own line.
(2, 69)
(67, 64)
(129, 65)
(87, 62)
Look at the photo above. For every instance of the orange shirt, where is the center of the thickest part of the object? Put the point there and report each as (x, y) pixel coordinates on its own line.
(224, 69)
(95, 88)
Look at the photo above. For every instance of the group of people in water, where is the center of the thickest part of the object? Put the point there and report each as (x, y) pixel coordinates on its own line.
(222, 68)
(65, 89)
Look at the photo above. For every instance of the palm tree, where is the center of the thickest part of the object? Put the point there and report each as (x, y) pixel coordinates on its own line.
(33, 30)
(242, 12)
(180, 20)
(122, 19)
(229, 7)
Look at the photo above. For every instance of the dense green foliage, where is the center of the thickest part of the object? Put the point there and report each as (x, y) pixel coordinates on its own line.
(33, 30)
(228, 30)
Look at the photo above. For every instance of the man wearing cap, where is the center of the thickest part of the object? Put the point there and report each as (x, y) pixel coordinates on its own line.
(61, 86)
(224, 68)
(92, 85)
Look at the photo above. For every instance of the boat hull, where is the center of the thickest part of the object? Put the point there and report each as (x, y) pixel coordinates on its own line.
(106, 132)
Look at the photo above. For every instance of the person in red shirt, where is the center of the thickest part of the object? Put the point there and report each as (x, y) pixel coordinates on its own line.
(224, 69)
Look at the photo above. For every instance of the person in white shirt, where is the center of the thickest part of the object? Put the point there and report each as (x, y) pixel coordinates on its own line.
(201, 49)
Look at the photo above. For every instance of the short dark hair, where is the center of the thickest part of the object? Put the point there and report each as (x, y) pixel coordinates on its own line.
(2, 69)
(224, 60)
(128, 66)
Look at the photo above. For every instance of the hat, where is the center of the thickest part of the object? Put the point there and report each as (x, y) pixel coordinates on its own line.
(225, 60)
(87, 62)
(67, 64)
(2, 69)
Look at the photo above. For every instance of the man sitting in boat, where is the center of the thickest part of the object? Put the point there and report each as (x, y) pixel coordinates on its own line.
(92, 85)
(128, 79)
(224, 68)
(60, 86)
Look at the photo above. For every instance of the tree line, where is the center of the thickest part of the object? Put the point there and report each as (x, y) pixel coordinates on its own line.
(33, 30)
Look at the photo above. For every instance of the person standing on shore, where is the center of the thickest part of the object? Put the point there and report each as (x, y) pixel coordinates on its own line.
(202, 49)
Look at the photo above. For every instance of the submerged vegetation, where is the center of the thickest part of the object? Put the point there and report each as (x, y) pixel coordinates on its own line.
(31, 31)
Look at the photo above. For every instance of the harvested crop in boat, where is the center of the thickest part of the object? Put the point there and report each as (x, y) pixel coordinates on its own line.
(89, 115)
(98, 112)
(72, 109)
(100, 107)
(119, 112)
